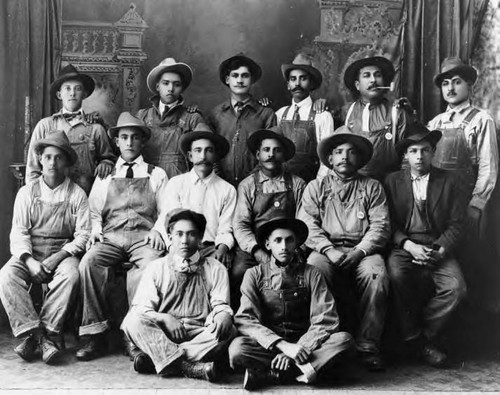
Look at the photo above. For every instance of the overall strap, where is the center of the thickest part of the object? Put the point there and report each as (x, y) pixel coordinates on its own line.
(349, 112)
(465, 122)
(258, 185)
(287, 177)
(312, 114)
(283, 117)
(150, 168)
(266, 279)
(36, 189)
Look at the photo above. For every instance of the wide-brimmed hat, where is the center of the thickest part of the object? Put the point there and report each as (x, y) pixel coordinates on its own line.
(253, 142)
(179, 214)
(417, 133)
(220, 143)
(352, 71)
(341, 136)
(125, 120)
(57, 139)
(253, 67)
(281, 221)
(303, 62)
(169, 65)
(455, 66)
(68, 73)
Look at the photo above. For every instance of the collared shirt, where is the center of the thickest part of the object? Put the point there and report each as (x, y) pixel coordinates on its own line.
(243, 223)
(234, 102)
(162, 106)
(189, 264)
(97, 197)
(323, 315)
(20, 239)
(419, 186)
(213, 197)
(482, 127)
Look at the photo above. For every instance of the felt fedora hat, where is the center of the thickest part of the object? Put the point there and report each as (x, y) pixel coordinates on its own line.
(341, 136)
(417, 133)
(303, 62)
(220, 143)
(57, 139)
(125, 120)
(253, 142)
(253, 67)
(169, 65)
(68, 73)
(455, 66)
(352, 71)
(280, 221)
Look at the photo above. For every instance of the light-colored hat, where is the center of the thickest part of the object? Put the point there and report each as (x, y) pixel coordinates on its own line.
(166, 65)
(455, 66)
(59, 140)
(126, 119)
(303, 62)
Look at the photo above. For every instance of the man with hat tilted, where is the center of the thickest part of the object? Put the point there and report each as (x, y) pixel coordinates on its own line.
(237, 118)
(428, 215)
(348, 221)
(89, 140)
(203, 191)
(373, 116)
(168, 117)
(300, 122)
(270, 188)
(124, 208)
(287, 316)
(50, 227)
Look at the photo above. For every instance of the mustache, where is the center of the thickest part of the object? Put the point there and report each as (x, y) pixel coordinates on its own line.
(451, 93)
(270, 160)
(297, 89)
(372, 86)
(344, 162)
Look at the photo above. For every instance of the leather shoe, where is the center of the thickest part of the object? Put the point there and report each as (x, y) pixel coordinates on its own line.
(200, 370)
(92, 349)
(256, 378)
(433, 356)
(143, 363)
(131, 349)
(372, 361)
(50, 352)
(27, 348)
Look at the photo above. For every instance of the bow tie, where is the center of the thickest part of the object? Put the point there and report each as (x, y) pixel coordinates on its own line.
(72, 115)
(187, 266)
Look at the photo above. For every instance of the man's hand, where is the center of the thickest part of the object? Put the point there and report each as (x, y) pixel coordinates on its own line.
(154, 239)
(93, 239)
(192, 108)
(103, 170)
(261, 256)
(37, 271)
(175, 328)
(436, 256)
(281, 362)
(421, 254)
(352, 258)
(335, 256)
(54, 260)
(223, 255)
(320, 105)
(294, 351)
(223, 324)
(474, 219)
(265, 102)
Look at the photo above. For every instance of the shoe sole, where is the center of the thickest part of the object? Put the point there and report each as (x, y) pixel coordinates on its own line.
(52, 357)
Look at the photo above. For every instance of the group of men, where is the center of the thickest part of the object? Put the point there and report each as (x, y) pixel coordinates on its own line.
(272, 238)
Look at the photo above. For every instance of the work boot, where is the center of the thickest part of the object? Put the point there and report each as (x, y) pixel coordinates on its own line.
(50, 352)
(131, 350)
(257, 378)
(143, 363)
(199, 370)
(92, 348)
(372, 361)
(432, 356)
(27, 348)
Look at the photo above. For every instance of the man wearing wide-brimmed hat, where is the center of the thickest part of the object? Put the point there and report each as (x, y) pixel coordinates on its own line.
(374, 116)
(287, 316)
(50, 227)
(428, 216)
(203, 191)
(125, 208)
(268, 189)
(168, 117)
(348, 221)
(88, 138)
(237, 118)
(299, 121)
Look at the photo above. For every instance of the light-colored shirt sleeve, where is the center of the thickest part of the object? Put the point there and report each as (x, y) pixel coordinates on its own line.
(80, 207)
(33, 167)
(20, 239)
(97, 198)
(218, 279)
(147, 296)
(242, 219)
(225, 228)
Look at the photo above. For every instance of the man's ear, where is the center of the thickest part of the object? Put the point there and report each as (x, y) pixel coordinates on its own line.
(267, 244)
(190, 156)
(116, 141)
(58, 95)
(227, 79)
(356, 85)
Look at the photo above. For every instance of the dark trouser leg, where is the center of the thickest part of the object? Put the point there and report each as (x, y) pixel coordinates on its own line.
(241, 263)
(326, 354)
(246, 353)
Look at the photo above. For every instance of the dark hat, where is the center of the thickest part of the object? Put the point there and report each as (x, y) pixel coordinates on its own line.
(416, 133)
(283, 222)
(254, 68)
(179, 214)
(344, 135)
(454, 66)
(57, 138)
(125, 120)
(220, 143)
(71, 73)
(303, 62)
(253, 142)
(169, 65)
(352, 71)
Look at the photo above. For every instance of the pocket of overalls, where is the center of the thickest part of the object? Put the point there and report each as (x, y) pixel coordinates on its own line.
(356, 221)
(85, 150)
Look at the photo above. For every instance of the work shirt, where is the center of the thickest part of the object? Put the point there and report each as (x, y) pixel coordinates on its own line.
(250, 319)
(419, 186)
(243, 221)
(350, 212)
(20, 235)
(213, 197)
(97, 198)
(481, 134)
(237, 127)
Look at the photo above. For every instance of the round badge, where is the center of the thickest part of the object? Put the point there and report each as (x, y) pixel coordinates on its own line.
(276, 204)
(388, 136)
(82, 137)
(361, 215)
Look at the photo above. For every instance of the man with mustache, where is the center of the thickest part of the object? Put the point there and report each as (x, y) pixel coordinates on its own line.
(300, 122)
(348, 220)
(237, 118)
(373, 116)
(269, 189)
(203, 191)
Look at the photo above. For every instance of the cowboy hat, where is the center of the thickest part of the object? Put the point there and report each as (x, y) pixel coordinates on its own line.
(220, 143)
(352, 71)
(254, 141)
(255, 70)
(58, 139)
(303, 62)
(125, 120)
(280, 221)
(454, 66)
(417, 133)
(68, 73)
(169, 65)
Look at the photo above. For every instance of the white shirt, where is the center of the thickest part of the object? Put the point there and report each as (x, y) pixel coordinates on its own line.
(97, 198)
(419, 185)
(213, 197)
(162, 106)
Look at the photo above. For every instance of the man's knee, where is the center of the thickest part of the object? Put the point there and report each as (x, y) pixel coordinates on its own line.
(238, 350)
(372, 272)
(323, 264)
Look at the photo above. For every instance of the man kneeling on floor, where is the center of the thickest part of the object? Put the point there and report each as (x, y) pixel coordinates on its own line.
(180, 317)
(287, 315)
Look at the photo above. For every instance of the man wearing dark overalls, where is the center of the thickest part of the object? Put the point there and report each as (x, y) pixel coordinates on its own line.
(373, 116)
(287, 316)
(300, 122)
(124, 208)
(268, 189)
(168, 117)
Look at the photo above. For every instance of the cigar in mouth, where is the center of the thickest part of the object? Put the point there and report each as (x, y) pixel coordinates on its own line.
(388, 88)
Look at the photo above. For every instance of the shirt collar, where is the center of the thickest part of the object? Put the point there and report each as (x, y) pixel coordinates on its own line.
(180, 264)
(383, 101)
(307, 102)
(47, 189)
(138, 161)
(194, 178)
(419, 178)
(460, 108)
(291, 267)
(334, 175)
(80, 111)
(233, 101)
(250, 102)
(263, 178)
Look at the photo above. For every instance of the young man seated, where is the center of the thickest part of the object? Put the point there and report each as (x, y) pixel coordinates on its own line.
(287, 316)
(180, 317)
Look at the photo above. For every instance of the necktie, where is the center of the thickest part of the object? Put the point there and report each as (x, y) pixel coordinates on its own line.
(130, 172)
(365, 117)
(69, 116)
(296, 115)
(185, 266)
(238, 106)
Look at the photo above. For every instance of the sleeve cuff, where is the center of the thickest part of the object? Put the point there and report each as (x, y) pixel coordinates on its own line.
(478, 203)
(71, 250)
